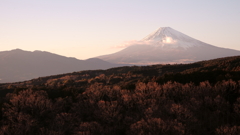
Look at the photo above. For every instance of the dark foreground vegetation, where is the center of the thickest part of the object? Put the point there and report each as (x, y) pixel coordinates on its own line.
(192, 99)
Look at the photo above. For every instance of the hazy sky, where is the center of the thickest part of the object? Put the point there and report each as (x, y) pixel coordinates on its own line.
(88, 28)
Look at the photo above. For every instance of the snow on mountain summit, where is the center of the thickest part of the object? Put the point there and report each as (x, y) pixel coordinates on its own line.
(164, 32)
(170, 38)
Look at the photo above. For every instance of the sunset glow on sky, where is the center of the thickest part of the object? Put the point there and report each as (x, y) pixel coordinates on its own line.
(85, 29)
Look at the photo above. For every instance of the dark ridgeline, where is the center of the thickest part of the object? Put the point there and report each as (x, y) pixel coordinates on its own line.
(201, 98)
(18, 65)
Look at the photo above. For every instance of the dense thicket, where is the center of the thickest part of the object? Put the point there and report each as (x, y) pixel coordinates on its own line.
(192, 99)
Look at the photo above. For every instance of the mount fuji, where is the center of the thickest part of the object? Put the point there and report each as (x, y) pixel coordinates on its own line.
(167, 46)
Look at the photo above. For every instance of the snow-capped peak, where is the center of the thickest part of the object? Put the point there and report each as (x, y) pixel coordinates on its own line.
(168, 37)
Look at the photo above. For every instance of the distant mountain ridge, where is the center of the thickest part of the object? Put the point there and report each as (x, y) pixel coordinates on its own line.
(20, 65)
(167, 45)
(201, 98)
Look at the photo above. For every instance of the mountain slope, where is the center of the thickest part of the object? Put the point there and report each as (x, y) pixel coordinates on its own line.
(19, 65)
(167, 45)
(226, 68)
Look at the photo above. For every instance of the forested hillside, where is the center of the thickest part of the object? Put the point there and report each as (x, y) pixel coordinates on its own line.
(181, 99)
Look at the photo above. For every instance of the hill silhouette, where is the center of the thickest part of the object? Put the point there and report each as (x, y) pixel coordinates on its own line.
(19, 65)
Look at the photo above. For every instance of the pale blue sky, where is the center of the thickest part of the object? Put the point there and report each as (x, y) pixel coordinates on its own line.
(88, 28)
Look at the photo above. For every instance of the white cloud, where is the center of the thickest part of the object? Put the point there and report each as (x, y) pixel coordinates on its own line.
(169, 40)
(166, 40)
(134, 42)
